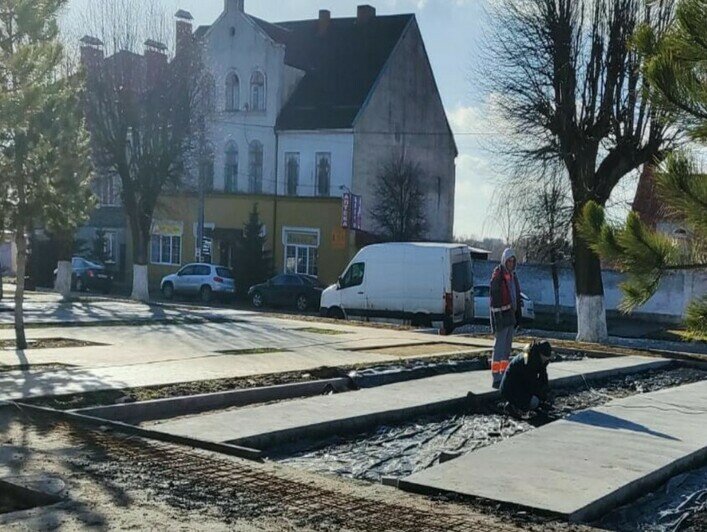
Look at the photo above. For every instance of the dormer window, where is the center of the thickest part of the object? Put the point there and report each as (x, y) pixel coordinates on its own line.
(257, 91)
(233, 90)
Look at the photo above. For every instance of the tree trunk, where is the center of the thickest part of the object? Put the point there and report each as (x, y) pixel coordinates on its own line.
(591, 314)
(21, 242)
(62, 284)
(556, 289)
(141, 239)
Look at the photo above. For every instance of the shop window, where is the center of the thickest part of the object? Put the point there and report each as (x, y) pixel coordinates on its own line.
(165, 250)
(301, 251)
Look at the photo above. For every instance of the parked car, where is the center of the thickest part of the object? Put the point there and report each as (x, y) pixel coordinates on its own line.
(89, 275)
(203, 280)
(301, 291)
(482, 300)
(425, 284)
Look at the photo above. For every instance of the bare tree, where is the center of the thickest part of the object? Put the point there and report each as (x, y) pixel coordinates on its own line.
(572, 90)
(140, 117)
(399, 211)
(546, 205)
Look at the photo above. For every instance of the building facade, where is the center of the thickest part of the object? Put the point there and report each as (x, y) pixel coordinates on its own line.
(296, 114)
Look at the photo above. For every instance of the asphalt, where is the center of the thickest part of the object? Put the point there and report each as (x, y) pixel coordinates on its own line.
(588, 463)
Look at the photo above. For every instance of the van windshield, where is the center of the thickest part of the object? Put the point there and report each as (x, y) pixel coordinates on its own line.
(462, 276)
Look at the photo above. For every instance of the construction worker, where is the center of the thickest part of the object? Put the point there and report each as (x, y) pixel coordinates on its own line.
(505, 312)
(524, 384)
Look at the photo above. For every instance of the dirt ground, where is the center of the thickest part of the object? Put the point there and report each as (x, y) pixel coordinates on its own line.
(111, 481)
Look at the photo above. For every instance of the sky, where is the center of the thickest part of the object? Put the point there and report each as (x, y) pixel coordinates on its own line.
(453, 34)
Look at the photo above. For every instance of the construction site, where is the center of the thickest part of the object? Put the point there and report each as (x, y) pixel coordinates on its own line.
(174, 416)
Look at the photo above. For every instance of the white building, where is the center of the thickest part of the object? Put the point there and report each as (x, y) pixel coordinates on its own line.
(316, 107)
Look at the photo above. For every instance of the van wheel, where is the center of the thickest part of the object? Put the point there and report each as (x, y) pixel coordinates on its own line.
(421, 320)
(447, 327)
(336, 313)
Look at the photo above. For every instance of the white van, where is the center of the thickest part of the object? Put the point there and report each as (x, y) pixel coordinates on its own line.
(422, 283)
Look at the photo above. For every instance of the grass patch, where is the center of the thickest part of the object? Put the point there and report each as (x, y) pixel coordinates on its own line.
(680, 335)
(26, 367)
(49, 343)
(123, 323)
(254, 351)
(318, 330)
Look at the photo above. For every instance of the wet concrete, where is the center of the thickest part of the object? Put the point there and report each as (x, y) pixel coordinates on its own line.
(400, 450)
(588, 463)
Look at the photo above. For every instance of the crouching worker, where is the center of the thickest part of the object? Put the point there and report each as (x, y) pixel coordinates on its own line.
(524, 384)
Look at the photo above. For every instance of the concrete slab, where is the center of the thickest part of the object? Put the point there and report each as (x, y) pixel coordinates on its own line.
(267, 425)
(583, 466)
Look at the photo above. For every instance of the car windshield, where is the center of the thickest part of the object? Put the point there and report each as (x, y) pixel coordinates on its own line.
(224, 272)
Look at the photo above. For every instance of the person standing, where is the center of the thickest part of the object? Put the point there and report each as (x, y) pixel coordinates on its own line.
(505, 312)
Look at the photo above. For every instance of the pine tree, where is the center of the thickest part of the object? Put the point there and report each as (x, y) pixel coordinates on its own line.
(40, 130)
(253, 263)
(676, 70)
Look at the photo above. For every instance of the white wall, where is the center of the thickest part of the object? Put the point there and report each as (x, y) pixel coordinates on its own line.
(308, 144)
(676, 289)
(246, 50)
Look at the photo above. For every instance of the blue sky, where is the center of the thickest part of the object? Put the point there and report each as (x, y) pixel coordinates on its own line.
(452, 30)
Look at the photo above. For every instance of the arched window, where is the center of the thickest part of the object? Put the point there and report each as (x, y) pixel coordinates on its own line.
(255, 167)
(231, 168)
(233, 92)
(257, 91)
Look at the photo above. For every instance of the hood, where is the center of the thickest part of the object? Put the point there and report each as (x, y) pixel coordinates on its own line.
(507, 254)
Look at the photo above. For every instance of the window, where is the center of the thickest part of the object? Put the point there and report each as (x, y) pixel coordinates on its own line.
(323, 177)
(354, 275)
(462, 276)
(224, 272)
(208, 100)
(187, 270)
(301, 251)
(257, 91)
(165, 249)
(291, 173)
(255, 170)
(231, 168)
(233, 92)
(108, 191)
(202, 270)
(109, 246)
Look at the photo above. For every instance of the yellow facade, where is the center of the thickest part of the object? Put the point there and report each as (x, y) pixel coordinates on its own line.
(302, 223)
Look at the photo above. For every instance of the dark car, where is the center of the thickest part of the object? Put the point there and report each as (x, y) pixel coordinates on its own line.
(300, 291)
(87, 275)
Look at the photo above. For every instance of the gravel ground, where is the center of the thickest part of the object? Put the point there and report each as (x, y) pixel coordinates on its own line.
(404, 449)
(117, 482)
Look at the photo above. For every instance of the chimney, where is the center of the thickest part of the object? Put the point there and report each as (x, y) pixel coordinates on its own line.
(155, 60)
(365, 13)
(91, 51)
(234, 5)
(324, 21)
(184, 32)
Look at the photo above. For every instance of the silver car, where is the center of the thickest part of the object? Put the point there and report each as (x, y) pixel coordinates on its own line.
(482, 299)
(204, 280)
